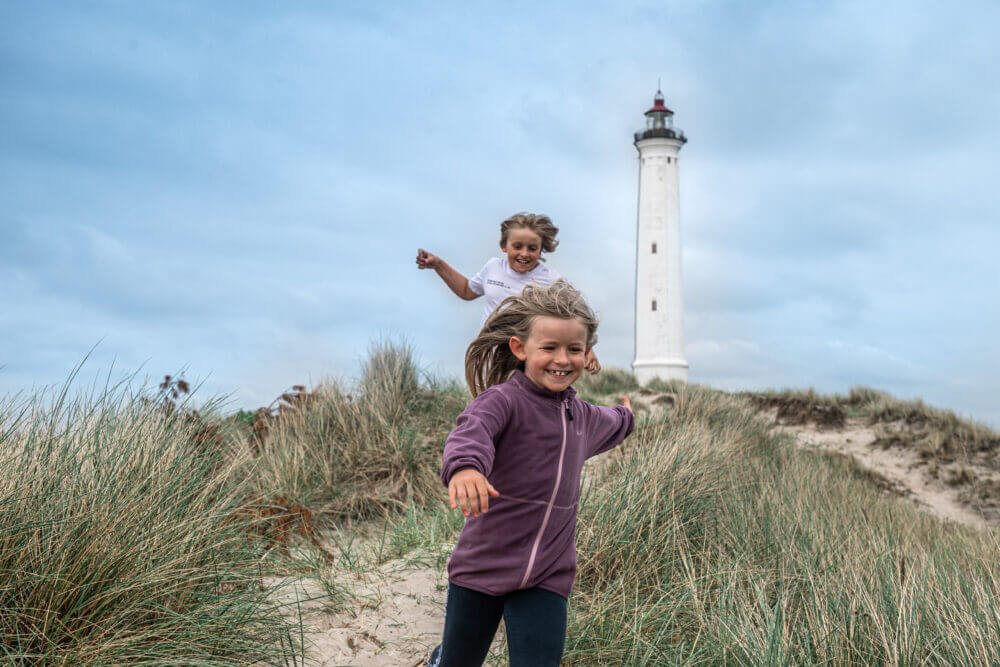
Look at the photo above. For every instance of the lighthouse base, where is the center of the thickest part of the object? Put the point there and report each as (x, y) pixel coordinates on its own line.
(665, 369)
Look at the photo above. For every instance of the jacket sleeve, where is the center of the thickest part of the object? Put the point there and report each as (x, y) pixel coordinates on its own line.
(608, 427)
(472, 443)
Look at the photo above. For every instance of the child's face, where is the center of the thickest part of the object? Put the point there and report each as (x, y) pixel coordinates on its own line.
(553, 354)
(523, 249)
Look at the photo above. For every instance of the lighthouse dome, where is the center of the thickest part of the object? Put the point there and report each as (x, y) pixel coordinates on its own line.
(660, 122)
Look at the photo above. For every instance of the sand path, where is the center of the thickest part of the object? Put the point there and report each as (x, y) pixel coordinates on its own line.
(393, 615)
(902, 470)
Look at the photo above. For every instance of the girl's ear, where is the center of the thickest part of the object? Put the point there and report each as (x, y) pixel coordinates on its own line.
(517, 347)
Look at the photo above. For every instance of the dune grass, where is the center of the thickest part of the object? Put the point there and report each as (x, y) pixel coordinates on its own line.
(710, 538)
(363, 451)
(934, 432)
(707, 538)
(119, 542)
(610, 381)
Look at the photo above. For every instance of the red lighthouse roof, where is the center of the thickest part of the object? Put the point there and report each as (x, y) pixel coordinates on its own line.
(658, 104)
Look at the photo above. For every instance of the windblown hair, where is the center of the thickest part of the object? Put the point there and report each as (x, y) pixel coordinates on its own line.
(489, 359)
(540, 224)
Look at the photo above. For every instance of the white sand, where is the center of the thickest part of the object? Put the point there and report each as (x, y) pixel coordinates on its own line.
(397, 616)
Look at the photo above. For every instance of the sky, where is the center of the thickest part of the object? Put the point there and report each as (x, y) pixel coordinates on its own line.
(238, 190)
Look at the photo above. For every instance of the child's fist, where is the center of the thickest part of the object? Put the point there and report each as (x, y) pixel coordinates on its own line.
(624, 400)
(426, 260)
(470, 490)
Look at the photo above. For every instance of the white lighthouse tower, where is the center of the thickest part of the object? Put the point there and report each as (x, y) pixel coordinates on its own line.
(659, 308)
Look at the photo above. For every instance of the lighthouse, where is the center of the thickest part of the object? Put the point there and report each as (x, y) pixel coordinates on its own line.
(659, 307)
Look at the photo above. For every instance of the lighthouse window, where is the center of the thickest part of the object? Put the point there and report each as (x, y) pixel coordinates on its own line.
(654, 252)
(668, 160)
(654, 304)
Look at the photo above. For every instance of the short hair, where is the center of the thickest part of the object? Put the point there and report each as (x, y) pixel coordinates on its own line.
(540, 224)
(489, 359)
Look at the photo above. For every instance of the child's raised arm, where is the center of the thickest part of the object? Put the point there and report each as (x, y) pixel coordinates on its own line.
(609, 426)
(458, 283)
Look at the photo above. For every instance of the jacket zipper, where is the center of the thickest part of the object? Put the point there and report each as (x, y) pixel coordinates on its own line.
(552, 500)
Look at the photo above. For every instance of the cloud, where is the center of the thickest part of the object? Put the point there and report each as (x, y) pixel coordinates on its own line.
(243, 190)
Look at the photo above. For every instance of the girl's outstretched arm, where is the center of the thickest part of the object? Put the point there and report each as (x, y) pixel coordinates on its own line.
(608, 426)
(458, 283)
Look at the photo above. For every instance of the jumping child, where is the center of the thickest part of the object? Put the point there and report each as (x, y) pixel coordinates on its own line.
(512, 464)
(523, 238)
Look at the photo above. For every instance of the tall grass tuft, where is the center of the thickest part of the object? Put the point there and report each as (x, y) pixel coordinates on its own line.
(936, 432)
(118, 543)
(710, 539)
(362, 452)
(390, 378)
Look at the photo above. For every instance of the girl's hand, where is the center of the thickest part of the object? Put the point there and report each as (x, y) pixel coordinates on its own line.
(426, 260)
(470, 490)
(590, 362)
(624, 400)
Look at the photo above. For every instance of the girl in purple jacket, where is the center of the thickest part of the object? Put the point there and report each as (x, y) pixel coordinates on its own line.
(512, 464)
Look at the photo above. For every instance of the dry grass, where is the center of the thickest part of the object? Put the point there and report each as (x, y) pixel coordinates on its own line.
(610, 381)
(711, 539)
(935, 433)
(118, 542)
(708, 538)
(364, 451)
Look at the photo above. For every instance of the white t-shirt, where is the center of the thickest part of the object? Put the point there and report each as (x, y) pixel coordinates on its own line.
(497, 281)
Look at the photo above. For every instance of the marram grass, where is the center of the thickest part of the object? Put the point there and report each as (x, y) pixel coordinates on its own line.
(710, 539)
(363, 451)
(707, 538)
(118, 543)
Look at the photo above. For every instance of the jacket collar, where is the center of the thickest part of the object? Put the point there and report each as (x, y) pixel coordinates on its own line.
(524, 382)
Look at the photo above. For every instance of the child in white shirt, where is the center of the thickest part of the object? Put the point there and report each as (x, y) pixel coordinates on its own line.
(523, 238)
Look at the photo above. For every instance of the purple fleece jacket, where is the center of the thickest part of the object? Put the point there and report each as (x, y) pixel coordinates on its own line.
(530, 443)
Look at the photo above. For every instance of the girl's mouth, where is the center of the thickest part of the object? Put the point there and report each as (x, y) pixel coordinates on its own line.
(559, 374)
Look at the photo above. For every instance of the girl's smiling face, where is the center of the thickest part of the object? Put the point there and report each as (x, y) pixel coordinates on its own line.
(523, 249)
(553, 354)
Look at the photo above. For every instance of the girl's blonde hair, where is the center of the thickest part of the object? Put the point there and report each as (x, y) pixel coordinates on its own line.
(489, 359)
(540, 224)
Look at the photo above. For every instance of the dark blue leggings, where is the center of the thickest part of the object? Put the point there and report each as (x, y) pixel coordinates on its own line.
(535, 620)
